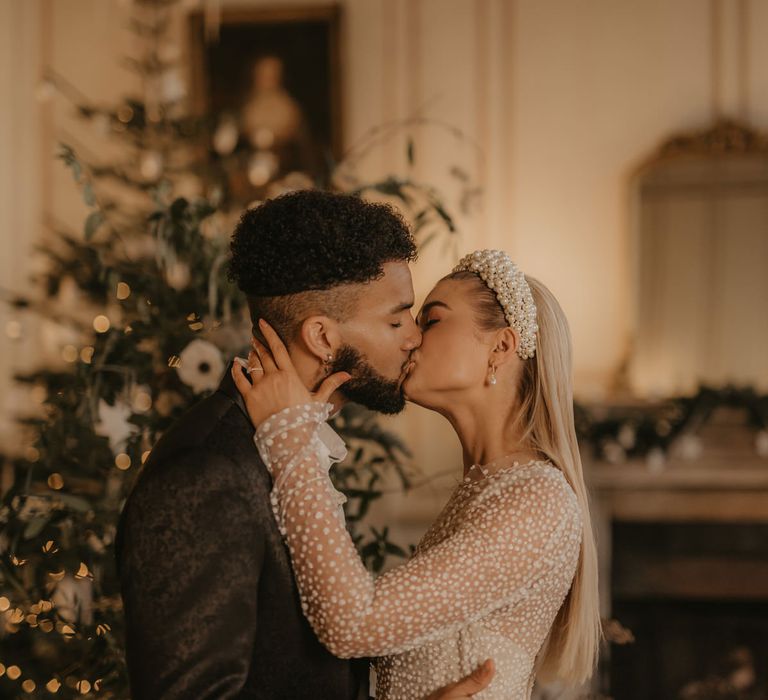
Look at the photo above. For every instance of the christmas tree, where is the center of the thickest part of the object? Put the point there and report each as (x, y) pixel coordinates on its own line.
(154, 319)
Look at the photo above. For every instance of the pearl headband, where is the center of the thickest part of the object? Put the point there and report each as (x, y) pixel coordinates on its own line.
(503, 277)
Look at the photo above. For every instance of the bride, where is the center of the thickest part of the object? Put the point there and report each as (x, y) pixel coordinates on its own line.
(508, 570)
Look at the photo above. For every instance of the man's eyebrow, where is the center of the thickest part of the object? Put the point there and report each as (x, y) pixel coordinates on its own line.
(432, 304)
(402, 307)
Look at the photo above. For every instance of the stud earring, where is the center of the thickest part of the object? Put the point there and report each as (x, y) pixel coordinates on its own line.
(492, 380)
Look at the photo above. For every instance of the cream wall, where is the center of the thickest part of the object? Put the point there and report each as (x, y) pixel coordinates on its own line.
(22, 180)
(562, 98)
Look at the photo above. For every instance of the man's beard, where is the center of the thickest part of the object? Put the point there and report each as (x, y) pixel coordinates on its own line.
(367, 387)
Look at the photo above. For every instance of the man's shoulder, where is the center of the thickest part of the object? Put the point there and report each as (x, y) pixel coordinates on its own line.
(213, 443)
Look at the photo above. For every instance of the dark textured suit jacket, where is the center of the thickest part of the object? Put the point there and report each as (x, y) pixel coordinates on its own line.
(211, 606)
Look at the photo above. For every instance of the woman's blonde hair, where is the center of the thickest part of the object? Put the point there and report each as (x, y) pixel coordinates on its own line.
(545, 414)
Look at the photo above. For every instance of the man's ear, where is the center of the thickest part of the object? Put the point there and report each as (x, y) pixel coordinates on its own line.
(320, 335)
(505, 345)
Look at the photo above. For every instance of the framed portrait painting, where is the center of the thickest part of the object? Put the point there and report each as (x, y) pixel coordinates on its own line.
(268, 83)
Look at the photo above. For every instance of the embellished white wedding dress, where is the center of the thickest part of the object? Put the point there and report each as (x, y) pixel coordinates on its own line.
(486, 580)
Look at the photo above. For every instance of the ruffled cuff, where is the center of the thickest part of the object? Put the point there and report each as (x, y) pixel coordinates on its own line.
(271, 437)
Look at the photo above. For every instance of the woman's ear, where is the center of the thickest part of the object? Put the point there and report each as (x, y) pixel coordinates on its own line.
(320, 335)
(505, 345)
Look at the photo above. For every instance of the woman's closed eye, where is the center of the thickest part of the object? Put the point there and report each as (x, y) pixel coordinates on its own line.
(430, 322)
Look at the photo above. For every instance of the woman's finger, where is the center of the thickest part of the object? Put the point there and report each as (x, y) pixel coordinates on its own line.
(330, 384)
(254, 364)
(241, 381)
(276, 345)
(265, 356)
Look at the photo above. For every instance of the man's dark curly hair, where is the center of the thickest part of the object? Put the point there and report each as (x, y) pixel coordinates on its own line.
(292, 255)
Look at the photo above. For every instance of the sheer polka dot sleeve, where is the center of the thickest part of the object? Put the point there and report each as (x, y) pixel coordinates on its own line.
(518, 532)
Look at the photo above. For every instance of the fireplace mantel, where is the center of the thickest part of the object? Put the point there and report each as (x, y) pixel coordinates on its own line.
(706, 490)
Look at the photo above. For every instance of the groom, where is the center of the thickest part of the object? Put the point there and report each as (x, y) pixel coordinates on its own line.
(212, 610)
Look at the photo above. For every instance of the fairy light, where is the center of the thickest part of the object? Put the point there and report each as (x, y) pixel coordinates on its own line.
(86, 354)
(14, 672)
(5, 604)
(142, 402)
(145, 456)
(83, 572)
(101, 324)
(56, 481)
(125, 113)
(53, 685)
(123, 290)
(69, 353)
(83, 687)
(46, 626)
(123, 461)
(28, 686)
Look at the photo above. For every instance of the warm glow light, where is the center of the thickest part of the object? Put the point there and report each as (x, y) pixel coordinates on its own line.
(101, 324)
(123, 290)
(83, 572)
(28, 686)
(14, 672)
(56, 481)
(32, 454)
(144, 456)
(142, 402)
(69, 353)
(86, 354)
(46, 626)
(125, 113)
(123, 461)
(4, 603)
(84, 687)
(52, 686)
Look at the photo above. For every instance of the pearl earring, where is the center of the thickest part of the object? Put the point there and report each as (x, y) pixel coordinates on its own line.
(492, 380)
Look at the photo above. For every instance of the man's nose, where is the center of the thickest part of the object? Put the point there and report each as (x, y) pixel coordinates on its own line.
(413, 340)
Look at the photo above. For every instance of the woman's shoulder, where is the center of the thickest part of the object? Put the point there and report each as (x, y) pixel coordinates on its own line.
(539, 489)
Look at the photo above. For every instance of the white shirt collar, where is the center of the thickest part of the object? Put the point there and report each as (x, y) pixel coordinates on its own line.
(333, 442)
